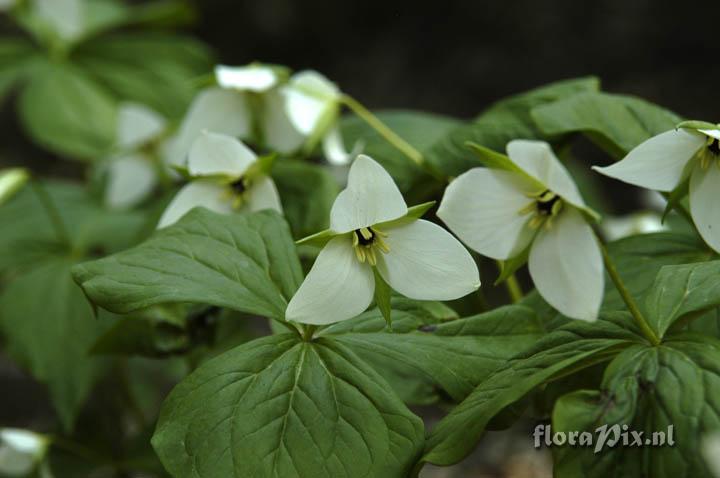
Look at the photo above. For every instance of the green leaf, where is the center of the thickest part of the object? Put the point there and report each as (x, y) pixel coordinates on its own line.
(46, 321)
(648, 389)
(243, 262)
(151, 68)
(504, 121)
(426, 356)
(640, 258)
(277, 407)
(616, 123)
(17, 58)
(67, 113)
(307, 192)
(383, 292)
(687, 290)
(564, 351)
(419, 129)
(50, 334)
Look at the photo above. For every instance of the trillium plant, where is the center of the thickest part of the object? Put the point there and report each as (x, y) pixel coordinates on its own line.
(237, 293)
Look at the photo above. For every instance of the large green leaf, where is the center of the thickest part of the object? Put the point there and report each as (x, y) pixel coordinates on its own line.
(307, 192)
(640, 258)
(281, 408)
(423, 358)
(17, 56)
(154, 69)
(616, 123)
(46, 320)
(564, 351)
(504, 121)
(422, 130)
(66, 112)
(687, 290)
(49, 328)
(648, 389)
(243, 262)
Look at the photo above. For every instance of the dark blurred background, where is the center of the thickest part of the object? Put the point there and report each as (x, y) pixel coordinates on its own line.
(455, 57)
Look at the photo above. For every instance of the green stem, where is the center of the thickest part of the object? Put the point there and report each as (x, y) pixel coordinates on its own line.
(308, 332)
(626, 296)
(80, 451)
(514, 290)
(390, 136)
(51, 210)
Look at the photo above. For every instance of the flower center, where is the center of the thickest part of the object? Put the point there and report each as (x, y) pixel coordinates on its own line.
(366, 241)
(544, 207)
(237, 191)
(714, 147)
(710, 153)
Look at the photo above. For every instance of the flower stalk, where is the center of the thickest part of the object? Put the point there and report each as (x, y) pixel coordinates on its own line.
(383, 130)
(626, 296)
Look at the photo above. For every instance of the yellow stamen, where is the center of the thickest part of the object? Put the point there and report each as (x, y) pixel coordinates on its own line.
(367, 241)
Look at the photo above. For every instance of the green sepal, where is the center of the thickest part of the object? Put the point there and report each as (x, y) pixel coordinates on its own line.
(263, 166)
(383, 293)
(414, 213)
(318, 239)
(675, 196)
(696, 125)
(510, 266)
(494, 160)
(182, 170)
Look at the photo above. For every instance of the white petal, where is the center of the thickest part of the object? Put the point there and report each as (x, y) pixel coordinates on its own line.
(255, 78)
(213, 109)
(130, 180)
(482, 207)
(337, 288)
(263, 195)
(214, 154)
(567, 268)
(704, 187)
(11, 180)
(6, 5)
(658, 163)
(310, 99)
(280, 134)
(201, 193)
(23, 440)
(66, 17)
(426, 262)
(137, 124)
(538, 160)
(714, 133)
(20, 451)
(371, 197)
(711, 452)
(334, 148)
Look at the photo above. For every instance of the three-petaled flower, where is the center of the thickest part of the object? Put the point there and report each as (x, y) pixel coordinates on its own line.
(688, 156)
(527, 205)
(313, 104)
(21, 451)
(227, 176)
(134, 170)
(372, 231)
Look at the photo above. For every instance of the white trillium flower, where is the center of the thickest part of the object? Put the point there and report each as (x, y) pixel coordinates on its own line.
(370, 227)
(227, 177)
(133, 173)
(20, 451)
(664, 162)
(532, 206)
(313, 105)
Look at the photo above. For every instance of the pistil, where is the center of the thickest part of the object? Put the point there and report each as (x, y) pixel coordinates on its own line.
(366, 241)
